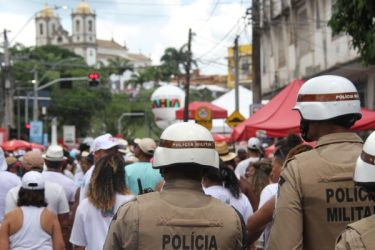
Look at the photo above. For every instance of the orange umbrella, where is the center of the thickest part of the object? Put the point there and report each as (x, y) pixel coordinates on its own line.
(13, 145)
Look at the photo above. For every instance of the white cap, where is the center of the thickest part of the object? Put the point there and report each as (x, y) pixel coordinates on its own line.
(104, 142)
(54, 153)
(253, 143)
(33, 181)
(3, 163)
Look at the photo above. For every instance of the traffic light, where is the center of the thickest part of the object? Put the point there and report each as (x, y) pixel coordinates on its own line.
(94, 79)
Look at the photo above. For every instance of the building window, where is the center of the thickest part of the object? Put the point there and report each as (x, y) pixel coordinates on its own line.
(41, 29)
(77, 25)
(59, 39)
(53, 27)
(77, 38)
(90, 25)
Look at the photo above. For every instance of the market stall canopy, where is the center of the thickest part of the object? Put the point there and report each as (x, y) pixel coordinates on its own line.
(277, 119)
(217, 112)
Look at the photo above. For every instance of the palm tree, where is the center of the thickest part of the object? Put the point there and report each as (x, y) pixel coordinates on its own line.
(119, 65)
(175, 60)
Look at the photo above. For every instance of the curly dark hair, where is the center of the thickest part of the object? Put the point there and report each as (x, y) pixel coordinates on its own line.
(27, 197)
(107, 179)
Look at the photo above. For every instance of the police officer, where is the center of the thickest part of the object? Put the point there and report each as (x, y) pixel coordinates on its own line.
(181, 216)
(317, 197)
(361, 234)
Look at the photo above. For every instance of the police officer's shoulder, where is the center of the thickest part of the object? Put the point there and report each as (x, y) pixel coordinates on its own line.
(126, 208)
(298, 158)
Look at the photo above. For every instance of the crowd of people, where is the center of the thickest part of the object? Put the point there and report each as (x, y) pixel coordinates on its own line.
(186, 191)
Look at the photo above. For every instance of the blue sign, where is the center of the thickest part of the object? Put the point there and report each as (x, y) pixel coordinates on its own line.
(36, 132)
(45, 139)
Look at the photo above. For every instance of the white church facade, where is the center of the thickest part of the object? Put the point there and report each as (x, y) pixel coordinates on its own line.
(83, 40)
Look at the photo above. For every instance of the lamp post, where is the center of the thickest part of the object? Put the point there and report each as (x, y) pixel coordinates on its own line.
(36, 82)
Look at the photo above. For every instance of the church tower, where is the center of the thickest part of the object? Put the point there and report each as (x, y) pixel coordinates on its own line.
(46, 24)
(83, 40)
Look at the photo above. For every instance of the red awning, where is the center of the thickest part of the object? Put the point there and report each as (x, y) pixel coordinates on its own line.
(217, 112)
(13, 145)
(277, 119)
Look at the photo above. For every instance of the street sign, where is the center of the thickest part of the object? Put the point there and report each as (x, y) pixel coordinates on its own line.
(234, 119)
(36, 132)
(206, 124)
(69, 134)
(203, 116)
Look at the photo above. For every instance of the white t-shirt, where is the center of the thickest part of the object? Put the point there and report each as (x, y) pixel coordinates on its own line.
(85, 183)
(54, 194)
(78, 179)
(242, 204)
(7, 181)
(91, 226)
(267, 193)
(242, 166)
(64, 181)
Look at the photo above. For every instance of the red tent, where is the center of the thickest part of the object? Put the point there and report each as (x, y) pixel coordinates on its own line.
(217, 112)
(13, 145)
(277, 119)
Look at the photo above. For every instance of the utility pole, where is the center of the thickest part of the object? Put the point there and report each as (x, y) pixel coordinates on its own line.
(256, 83)
(8, 88)
(187, 83)
(236, 73)
(35, 103)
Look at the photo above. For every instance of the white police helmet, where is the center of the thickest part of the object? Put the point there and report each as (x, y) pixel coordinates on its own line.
(364, 174)
(326, 97)
(186, 143)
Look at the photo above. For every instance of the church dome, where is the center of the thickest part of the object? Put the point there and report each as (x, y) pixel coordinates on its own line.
(47, 12)
(83, 8)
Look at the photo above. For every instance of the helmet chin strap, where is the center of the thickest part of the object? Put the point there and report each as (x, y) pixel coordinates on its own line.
(304, 129)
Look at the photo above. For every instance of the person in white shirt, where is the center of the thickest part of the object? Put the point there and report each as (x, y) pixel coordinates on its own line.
(106, 193)
(31, 225)
(222, 183)
(102, 146)
(7, 181)
(54, 193)
(54, 160)
(255, 153)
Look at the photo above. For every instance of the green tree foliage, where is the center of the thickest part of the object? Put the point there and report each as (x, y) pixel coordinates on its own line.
(356, 18)
(79, 105)
(175, 61)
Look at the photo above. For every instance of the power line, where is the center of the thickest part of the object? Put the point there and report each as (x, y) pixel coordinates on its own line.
(224, 37)
(209, 16)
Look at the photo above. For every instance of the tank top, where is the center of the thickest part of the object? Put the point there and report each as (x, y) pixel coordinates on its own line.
(31, 235)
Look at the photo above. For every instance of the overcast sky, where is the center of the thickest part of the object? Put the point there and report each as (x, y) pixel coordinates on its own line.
(147, 26)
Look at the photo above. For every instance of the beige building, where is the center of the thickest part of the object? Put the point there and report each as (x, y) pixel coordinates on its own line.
(83, 40)
(296, 42)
